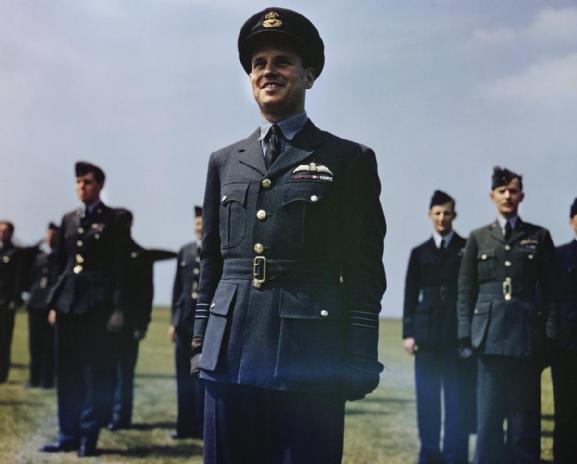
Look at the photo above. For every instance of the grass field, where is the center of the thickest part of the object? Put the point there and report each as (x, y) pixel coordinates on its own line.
(379, 429)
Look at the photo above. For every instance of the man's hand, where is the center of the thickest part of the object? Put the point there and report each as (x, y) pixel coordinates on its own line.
(52, 317)
(116, 321)
(196, 355)
(465, 348)
(361, 380)
(410, 345)
(171, 333)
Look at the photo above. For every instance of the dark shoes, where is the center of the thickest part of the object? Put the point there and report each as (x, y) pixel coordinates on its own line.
(117, 425)
(87, 448)
(59, 447)
(183, 436)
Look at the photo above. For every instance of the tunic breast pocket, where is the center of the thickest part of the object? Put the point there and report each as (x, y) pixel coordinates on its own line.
(303, 214)
(528, 260)
(233, 214)
(486, 265)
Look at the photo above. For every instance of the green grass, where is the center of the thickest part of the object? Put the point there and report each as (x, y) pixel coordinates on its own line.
(379, 429)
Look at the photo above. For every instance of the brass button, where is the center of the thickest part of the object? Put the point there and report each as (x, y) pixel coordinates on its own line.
(197, 259)
(261, 214)
(196, 271)
(508, 263)
(256, 283)
(194, 295)
(258, 248)
(508, 297)
(476, 311)
(213, 305)
(6, 259)
(530, 256)
(79, 243)
(80, 230)
(134, 254)
(508, 247)
(483, 257)
(314, 198)
(96, 236)
(266, 183)
(195, 285)
(78, 269)
(79, 259)
(324, 313)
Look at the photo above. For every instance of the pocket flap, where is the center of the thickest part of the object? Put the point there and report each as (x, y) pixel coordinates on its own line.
(310, 192)
(234, 192)
(311, 303)
(482, 308)
(223, 299)
(484, 255)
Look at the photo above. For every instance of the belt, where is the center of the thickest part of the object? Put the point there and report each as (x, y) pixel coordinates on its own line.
(263, 270)
(508, 289)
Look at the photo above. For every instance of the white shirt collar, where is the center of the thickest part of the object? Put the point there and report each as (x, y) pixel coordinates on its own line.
(503, 221)
(438, 238)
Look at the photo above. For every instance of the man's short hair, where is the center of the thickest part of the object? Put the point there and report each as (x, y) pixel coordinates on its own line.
(9, 225)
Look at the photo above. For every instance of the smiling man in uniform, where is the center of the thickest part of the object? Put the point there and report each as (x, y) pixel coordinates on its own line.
(291, 272)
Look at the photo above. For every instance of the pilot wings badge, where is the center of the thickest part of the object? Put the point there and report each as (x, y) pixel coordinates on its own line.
(313, 171)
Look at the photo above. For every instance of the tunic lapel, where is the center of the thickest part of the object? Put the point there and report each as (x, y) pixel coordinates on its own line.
(251, 155)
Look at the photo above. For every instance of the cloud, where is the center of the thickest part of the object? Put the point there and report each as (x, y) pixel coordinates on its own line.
(549, 24)
(550, 83)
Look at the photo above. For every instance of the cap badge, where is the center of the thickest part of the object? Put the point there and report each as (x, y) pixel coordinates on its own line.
(272, 20)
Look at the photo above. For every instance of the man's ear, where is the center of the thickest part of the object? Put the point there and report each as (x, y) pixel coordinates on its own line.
(310, 77)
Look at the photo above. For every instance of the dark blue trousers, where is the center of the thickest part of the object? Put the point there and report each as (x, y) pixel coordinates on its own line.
(508, 389)
(189, 390)
(41, 347)
(249, 425)
(123, 382)
(564, 373)
(438, 370)
(83, 366)
(6, 333)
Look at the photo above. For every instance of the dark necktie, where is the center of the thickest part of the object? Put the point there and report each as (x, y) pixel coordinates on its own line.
(272, 149)
(442, 246)
(508, 231)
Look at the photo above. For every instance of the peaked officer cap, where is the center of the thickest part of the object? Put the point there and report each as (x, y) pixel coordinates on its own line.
(440, 198)
(502, 176)
(285, 25)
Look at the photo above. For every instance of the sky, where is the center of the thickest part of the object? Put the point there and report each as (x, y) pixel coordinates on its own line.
(442, 90)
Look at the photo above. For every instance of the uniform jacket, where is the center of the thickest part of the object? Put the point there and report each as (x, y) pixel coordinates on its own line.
(11, 278)
(91, 259)
(42, 274)
(308, 232)
(508, 319)
(185, 288)
(567, 314)
(140, 285)
(430, 311)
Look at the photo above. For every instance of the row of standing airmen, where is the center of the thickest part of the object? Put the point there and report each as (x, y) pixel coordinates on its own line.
(89, 352)
(482, 318)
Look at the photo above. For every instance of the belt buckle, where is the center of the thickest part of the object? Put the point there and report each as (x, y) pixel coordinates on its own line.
(507, 288)
(258, 271)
